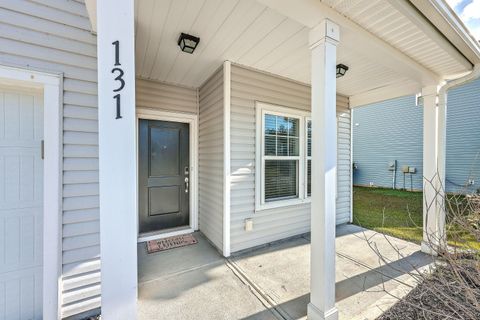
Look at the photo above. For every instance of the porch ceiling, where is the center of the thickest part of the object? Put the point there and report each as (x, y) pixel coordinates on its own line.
(272, 36)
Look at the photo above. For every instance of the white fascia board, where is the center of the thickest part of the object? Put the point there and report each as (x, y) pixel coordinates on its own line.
(409, 11)
(355, 38)
(384, 93)
(439, 13)
(92, 13)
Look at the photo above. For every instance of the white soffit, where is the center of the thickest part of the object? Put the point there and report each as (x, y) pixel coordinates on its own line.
(260, 35)
(398, 23)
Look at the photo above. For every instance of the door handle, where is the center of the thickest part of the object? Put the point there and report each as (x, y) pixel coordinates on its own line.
(186, 184)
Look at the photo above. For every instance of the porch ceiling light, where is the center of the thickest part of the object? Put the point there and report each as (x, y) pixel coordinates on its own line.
(188, 43)
(341, 70)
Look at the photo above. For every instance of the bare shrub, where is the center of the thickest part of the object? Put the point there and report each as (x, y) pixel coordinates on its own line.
(450, 287)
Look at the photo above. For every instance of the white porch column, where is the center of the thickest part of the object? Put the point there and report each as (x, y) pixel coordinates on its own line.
(117, 158)
(323, 41)
(433, 171)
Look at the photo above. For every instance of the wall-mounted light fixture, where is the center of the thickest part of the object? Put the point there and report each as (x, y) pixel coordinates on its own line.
(341, 70)
(187, 42)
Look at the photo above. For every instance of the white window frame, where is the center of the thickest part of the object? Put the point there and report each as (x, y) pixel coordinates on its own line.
(262, 109)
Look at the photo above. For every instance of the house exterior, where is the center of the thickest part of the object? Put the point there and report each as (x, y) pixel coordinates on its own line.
(114, 136)
(392, 130)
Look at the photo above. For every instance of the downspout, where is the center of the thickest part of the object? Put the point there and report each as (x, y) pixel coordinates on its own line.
(442, 109)
(440, 155)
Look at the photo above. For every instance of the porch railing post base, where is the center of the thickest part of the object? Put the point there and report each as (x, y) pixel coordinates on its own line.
(313, 313)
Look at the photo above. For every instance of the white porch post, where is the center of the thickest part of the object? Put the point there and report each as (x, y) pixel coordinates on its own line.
(323, 41)
(433, 171)
(117, 158)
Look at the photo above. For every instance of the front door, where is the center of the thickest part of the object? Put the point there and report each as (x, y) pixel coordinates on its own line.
(163, 175)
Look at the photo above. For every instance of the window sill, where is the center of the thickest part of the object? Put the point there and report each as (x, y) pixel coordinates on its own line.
(281, 204)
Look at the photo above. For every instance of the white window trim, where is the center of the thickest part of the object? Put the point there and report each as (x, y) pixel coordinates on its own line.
(52, 87)
(261, 109)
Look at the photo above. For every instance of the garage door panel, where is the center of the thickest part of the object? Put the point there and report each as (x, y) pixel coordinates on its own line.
(21, 205)
(21, 183)
(21, 116)
(20, 294)
(21, 242)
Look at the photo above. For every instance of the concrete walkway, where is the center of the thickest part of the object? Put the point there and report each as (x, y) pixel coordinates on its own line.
(272, 282)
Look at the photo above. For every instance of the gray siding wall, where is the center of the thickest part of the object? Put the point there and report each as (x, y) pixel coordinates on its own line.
(210, 158)
(387, 131)
(463, 138)
(54, 36)
(248, 86)
(393, 129)
(166, 97)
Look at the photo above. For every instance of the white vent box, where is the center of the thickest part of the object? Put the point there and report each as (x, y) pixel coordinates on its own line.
(249, 224)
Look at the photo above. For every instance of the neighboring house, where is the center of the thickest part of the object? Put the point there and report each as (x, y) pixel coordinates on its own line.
(392, 130)
(113, 136)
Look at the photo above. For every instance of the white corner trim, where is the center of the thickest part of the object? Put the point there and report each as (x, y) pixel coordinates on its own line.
(91, 6)
(192, 120)
(227, 73)
(52, 86)
(351, 161)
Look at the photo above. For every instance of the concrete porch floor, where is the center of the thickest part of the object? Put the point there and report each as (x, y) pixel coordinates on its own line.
(272, 282)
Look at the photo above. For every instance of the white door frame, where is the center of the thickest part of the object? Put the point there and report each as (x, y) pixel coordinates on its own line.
(52, 87)
(192, 120)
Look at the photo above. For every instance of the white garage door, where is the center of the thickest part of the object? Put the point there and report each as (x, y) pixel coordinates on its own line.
(21, 204)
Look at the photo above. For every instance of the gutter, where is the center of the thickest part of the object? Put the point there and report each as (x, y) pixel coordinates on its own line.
(442, 110)
(439, 13)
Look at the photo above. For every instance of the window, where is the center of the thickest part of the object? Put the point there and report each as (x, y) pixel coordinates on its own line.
(281, 157)
(309, 156)
(281, 161)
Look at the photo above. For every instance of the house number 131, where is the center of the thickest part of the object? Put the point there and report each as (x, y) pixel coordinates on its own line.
(118, 72)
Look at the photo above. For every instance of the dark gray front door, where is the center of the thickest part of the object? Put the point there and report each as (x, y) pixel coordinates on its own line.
(163, 175)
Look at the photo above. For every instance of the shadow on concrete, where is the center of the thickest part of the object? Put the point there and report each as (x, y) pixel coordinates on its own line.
(373, 278)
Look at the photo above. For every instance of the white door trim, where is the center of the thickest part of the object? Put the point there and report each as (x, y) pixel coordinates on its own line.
(52, 87)
(192, 120)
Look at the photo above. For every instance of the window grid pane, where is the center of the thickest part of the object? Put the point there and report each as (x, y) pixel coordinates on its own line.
(281, 178)
(281, 136)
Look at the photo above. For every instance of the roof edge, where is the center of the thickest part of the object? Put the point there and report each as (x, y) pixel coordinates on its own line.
(449, 24)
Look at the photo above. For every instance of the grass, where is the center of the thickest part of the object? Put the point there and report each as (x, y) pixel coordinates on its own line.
(394, 212)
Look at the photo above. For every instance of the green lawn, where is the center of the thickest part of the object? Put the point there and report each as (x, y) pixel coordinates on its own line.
(393, 212)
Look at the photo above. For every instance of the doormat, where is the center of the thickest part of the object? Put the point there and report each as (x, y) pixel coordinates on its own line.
(170, 243)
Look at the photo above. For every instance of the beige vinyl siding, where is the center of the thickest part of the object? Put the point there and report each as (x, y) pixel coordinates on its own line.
(248, 86)
(166, 97)
(55, 37)
(210, 158)
(344, 164)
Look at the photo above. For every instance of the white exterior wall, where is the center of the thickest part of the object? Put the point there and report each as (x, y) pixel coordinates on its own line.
(269, 225)
(210, 159)
(57, 38)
